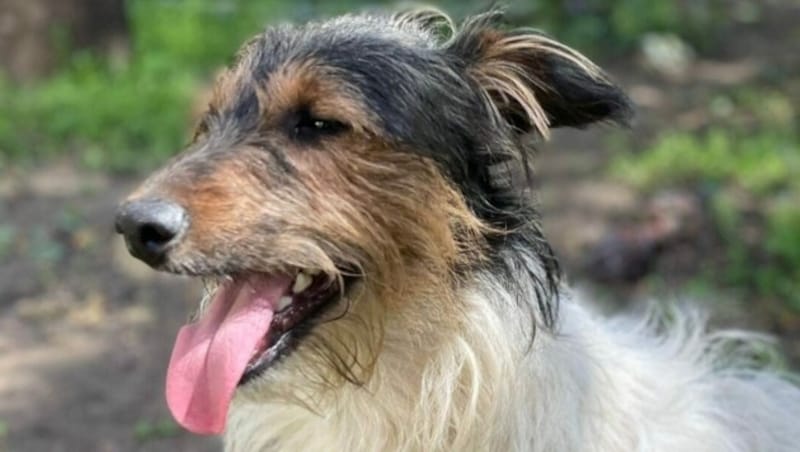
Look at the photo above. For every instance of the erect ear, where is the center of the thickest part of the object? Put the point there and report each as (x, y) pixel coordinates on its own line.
(534, 83)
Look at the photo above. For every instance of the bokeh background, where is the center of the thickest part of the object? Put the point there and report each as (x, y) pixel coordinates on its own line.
(699, 200)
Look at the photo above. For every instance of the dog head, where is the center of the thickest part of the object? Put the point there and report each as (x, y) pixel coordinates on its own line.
(345, 173)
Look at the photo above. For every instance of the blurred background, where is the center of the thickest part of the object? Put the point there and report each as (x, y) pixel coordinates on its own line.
(699, 200)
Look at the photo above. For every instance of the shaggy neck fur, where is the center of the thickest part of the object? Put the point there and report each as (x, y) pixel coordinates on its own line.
(592, 386)
(437, 382)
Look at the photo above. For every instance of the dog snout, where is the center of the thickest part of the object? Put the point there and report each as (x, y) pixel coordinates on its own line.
(151, 227)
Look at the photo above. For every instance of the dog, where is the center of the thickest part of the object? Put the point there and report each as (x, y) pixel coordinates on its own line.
(355, 199)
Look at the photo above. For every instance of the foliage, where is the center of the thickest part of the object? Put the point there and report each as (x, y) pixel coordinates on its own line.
(132, 115)
(752, 177)
(760, 163)
(147, 430)
(614, 26)
(113, 119)
(198, 34)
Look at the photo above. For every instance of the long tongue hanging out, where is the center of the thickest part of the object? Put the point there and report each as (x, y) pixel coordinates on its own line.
(211, 355)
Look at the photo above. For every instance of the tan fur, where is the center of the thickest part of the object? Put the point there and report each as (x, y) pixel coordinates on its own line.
(504, 73)
(309, 84)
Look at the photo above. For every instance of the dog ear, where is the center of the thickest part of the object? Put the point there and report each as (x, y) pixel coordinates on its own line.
(428, 19)
(534, 83)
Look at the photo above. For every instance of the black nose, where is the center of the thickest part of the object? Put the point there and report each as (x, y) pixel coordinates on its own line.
(151, 227)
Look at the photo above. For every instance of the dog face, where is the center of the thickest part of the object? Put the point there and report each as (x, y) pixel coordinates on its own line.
(343, 170)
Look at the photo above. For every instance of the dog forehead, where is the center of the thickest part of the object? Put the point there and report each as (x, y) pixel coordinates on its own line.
(389, 67)
(356, 48)
(350, 44)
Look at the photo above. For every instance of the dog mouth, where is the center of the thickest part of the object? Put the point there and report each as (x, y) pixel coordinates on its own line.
(245, 325)
(310, 293)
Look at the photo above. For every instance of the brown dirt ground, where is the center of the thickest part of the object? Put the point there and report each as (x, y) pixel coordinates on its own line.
(85, 331)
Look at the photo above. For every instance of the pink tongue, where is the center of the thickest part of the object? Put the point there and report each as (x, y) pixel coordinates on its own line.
(211, 355)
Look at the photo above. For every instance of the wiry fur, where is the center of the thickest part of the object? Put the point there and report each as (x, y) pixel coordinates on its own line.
(450, 337)
(599, 385)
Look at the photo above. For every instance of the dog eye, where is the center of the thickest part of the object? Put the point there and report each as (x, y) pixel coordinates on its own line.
(309, 128)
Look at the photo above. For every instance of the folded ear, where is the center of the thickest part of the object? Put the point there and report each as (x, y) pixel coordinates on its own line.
(534, 83)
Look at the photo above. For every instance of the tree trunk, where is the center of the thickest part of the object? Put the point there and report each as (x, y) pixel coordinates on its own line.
(37, 35)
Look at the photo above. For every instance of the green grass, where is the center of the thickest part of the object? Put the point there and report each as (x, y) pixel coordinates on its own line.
(749, 166)
(146, 430)
(109, 119)
(762, 163)
(616, 26)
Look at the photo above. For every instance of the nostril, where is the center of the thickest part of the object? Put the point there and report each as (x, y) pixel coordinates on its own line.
(151, 227)
(155, 236)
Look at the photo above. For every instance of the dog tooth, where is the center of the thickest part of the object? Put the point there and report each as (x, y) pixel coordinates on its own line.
(301, 282)
(284, 303)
